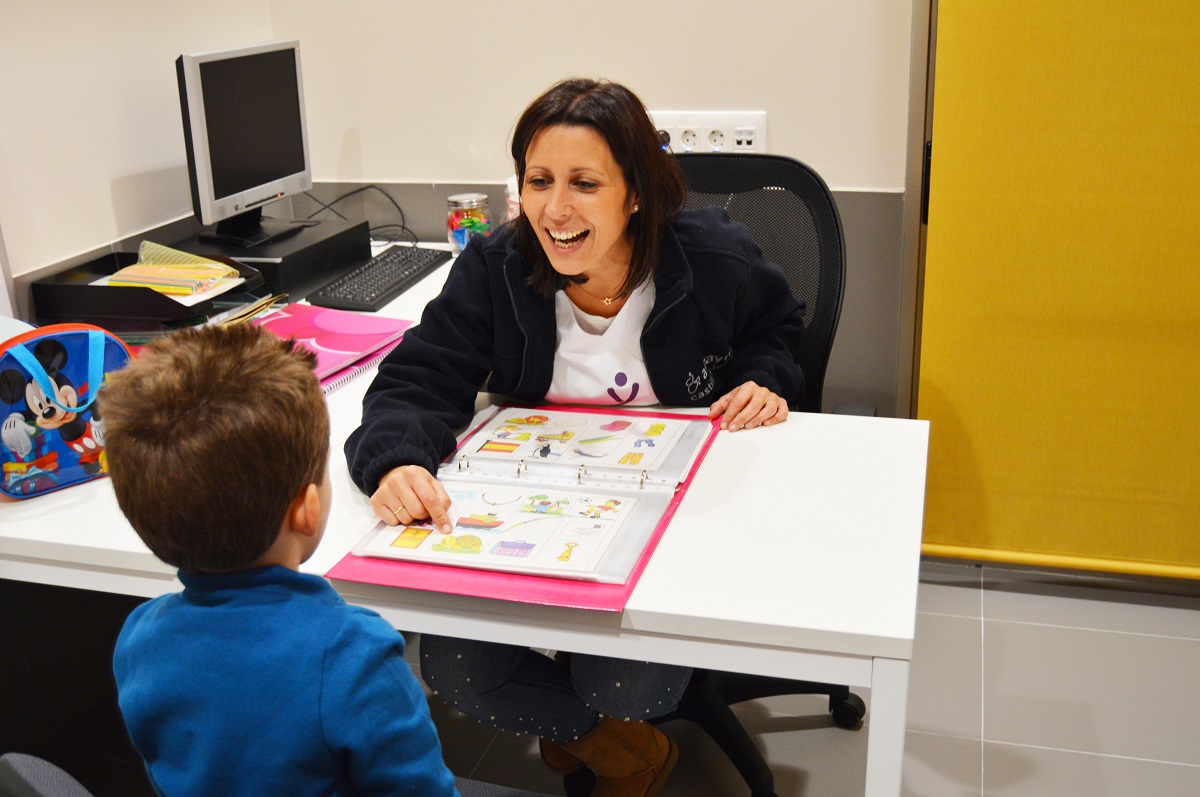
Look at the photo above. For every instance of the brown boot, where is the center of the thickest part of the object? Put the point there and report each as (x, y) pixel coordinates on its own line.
(630, 759)
(557, 759)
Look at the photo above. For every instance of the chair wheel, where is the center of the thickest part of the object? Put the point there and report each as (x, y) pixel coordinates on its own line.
(847, 712)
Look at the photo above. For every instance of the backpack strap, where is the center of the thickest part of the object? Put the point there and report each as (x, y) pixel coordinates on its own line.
(95, 373)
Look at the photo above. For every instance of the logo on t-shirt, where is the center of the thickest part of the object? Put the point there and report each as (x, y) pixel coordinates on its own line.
(621, 379)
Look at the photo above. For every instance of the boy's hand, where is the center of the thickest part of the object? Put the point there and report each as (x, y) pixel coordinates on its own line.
(749, 405)
(410, 493)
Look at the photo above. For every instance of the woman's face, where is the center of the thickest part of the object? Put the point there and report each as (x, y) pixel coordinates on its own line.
(576, 198)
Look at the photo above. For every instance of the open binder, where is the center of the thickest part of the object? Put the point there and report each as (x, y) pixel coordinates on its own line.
(556, 505)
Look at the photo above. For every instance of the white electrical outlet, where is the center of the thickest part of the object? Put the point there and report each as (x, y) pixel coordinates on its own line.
(712, 131)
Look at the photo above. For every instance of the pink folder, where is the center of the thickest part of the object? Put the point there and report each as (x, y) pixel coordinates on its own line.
(346, 343)
(521, 588)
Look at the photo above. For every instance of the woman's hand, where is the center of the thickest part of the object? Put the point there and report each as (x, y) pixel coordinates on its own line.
(749, 405)
(410, 493)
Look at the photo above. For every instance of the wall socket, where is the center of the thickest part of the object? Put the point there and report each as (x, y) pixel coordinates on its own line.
(713, 131)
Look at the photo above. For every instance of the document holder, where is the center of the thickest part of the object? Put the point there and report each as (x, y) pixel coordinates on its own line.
(71, 295)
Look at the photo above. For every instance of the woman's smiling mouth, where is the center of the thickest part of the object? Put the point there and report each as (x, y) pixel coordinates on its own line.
(567, 239)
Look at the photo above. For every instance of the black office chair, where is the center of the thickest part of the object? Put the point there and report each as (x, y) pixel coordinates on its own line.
(28, 776)
(792, 216)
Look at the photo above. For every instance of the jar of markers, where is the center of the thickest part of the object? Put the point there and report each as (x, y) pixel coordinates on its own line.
(466, 215)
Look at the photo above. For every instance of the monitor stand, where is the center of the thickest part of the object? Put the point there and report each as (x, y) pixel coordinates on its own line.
(248, 230)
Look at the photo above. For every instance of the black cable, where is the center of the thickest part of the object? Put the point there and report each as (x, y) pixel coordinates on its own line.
(381, 233)
(403, 225)
(323, 206)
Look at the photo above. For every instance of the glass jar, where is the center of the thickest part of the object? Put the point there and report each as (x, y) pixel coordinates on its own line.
(512, 197)
(466, 215)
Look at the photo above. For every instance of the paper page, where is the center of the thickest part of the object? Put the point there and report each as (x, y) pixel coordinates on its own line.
(576, 438)
(530, 528)
(150, 253)
(191, 300)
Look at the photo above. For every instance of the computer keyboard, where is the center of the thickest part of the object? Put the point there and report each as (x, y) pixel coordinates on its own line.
(380, 279)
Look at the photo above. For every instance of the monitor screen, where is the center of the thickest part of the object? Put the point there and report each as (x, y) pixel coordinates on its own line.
(246, 137)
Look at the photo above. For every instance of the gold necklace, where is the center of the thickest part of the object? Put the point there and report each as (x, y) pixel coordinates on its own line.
(608, 300)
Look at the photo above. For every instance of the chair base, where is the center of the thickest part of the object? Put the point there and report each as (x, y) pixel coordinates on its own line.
(707, 702)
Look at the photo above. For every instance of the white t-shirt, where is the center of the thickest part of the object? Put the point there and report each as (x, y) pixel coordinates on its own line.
(599, 360)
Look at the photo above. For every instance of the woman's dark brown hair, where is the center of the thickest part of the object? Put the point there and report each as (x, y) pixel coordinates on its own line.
(650, 172)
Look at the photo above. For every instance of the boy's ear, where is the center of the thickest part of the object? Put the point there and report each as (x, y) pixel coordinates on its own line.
(304, 514)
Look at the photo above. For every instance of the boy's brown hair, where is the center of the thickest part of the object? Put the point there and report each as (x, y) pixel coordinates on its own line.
(210, 434)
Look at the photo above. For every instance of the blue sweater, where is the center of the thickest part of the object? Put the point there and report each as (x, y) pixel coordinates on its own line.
(722, 315)
(265, 682)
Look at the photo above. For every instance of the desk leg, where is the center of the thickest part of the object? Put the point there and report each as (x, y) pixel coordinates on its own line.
(885, 732)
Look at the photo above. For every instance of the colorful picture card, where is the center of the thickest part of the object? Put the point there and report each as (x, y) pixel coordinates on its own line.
(574, 438)
(529, 528)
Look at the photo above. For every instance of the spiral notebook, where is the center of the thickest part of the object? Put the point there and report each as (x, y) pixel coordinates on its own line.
(554, 505)
(346, 343)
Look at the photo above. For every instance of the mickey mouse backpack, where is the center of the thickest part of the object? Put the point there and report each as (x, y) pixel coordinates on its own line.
(51, 435)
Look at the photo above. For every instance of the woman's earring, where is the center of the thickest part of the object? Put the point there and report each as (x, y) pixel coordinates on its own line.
(635, 208)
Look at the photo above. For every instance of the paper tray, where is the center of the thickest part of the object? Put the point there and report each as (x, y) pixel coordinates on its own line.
(71, 296)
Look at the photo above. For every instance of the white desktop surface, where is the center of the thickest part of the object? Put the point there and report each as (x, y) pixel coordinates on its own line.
(830, 506)
(778, 539)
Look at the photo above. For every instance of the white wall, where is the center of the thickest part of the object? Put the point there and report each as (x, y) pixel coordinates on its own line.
(7, 305)
(91, 146)
(91, 142)
(428, 90)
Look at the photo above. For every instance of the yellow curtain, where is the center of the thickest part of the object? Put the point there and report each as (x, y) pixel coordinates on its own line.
(1060, 341)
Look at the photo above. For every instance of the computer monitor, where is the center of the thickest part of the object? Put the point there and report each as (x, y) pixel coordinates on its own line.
(246, 138)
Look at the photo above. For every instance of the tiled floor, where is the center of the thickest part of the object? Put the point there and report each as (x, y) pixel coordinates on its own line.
(1023, 683)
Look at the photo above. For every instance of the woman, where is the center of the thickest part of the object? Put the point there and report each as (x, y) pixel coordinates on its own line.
(601, 292)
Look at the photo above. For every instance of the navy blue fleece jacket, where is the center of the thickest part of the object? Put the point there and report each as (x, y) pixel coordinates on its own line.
(722, 315)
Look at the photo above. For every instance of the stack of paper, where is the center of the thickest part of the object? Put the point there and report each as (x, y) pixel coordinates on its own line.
(170, 271)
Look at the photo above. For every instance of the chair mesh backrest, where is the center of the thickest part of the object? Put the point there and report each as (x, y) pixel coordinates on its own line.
(791, 214)
(27, 776)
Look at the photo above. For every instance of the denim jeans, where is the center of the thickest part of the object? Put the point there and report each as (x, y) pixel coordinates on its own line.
(518, 689)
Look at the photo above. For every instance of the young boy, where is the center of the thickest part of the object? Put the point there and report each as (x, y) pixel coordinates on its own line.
(256, 679)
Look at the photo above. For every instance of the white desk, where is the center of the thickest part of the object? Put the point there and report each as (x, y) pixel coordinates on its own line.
(827, 592)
